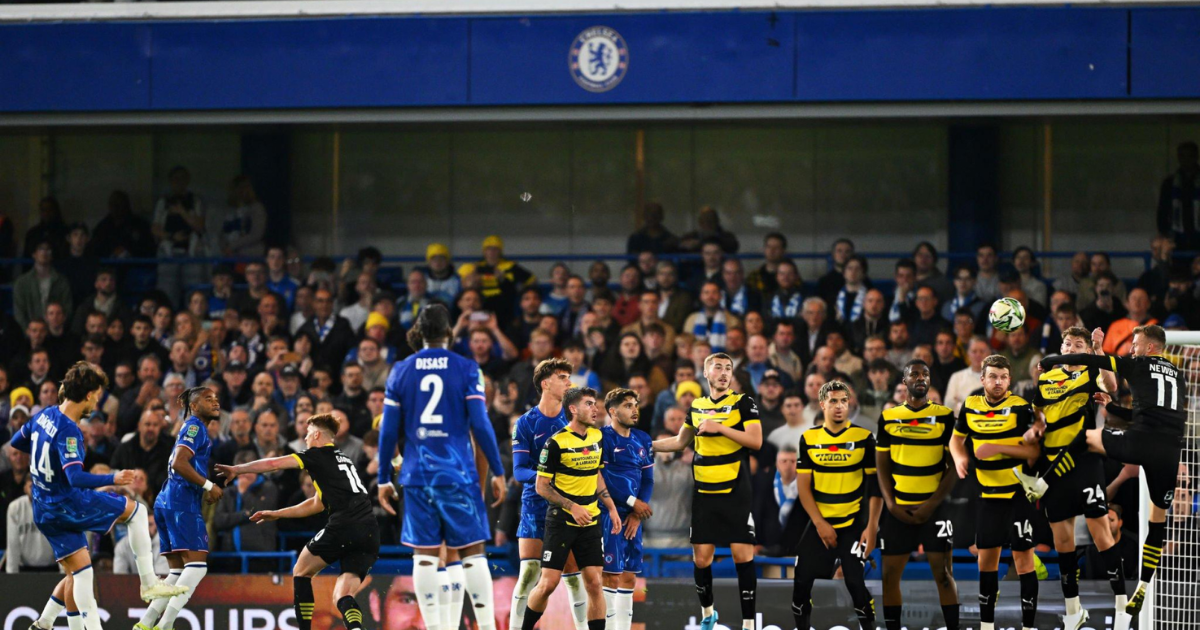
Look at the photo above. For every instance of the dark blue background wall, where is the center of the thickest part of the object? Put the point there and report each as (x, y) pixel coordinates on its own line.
(734, 57)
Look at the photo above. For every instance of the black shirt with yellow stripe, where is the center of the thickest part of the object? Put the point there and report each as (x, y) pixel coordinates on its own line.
(721, 465)
(918, 442)
(842, 466)
(1065, 398)
(572, 462)
(1003, 423)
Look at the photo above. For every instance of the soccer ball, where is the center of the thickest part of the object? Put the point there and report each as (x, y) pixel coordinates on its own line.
(1006, 314)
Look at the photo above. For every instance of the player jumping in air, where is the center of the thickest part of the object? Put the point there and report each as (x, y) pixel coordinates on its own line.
(1063, 400)
(65, 504)
(1153, 440)
(436, 397)
(915, 475)
(836, 471)
(553, 378)
(350, 536)
(182, 533)
(629, 475)
(725, 428)
(996, 424)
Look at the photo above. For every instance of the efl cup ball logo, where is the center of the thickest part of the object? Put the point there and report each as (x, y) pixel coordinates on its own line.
(599, 59)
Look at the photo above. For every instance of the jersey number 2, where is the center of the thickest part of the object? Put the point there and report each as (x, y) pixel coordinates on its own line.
(40, 464)
(1163, 380)
(432, 382)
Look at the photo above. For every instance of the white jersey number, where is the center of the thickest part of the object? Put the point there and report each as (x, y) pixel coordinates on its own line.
(432, 382)
(1163, 381)
(40, 462)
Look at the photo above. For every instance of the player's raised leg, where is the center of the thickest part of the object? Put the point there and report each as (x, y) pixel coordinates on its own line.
(138, 526)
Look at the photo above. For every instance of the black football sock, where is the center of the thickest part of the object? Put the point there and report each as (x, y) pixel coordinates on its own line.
(595, 624)
(302, 596)
(531, 618)
(1152, 550)
(801, 614)
(351, 613)
(1114, 566)
(1029, 597)
(989, 588)
(704, 588)
(748, 586)
(1068, 574)
(950, 613)
(891, 617)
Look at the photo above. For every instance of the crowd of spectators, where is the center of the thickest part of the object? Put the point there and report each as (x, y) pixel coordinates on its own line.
(280, 341)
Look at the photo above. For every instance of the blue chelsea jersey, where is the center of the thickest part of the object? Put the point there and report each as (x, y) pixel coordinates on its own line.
(178, 493)
(55, 443)
(529, 436)
(433, 388)
(627, 462)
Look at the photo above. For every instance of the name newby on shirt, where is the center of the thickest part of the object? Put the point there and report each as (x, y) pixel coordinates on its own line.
(1163, 368)
(433, 363)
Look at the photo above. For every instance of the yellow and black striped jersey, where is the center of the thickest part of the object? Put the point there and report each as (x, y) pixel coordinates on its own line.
(1002, 423)
(839, 464)
(1065, 398)
(573, 462)
(720, 465)
(918, 441)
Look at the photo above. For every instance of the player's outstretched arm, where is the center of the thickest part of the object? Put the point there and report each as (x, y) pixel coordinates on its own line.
(301, 510)
(675, 444)
(80, 479)
(1087, 360)
(229, 473)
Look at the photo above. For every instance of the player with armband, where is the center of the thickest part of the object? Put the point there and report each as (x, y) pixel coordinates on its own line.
(436, 397)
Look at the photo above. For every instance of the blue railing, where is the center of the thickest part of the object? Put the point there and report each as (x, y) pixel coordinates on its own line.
(285, 559)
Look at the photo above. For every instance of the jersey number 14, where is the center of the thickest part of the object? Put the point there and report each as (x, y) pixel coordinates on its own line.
(40, 464)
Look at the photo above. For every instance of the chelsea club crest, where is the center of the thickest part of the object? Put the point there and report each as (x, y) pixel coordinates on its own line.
(599, 59)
